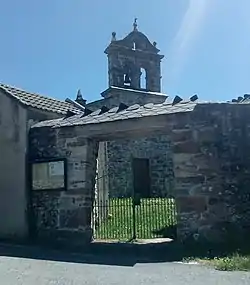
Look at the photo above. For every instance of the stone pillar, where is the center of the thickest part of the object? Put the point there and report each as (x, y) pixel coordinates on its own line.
(153, 81)
(102, 194)
(198, 179)
(136, 77)
(66, 215)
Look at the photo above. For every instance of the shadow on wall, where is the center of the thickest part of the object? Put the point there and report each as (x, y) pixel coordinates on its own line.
(167, 232)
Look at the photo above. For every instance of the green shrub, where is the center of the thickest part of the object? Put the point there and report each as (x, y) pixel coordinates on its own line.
(232, 263)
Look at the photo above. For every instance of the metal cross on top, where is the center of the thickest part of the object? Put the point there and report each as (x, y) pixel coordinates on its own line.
(135, 24)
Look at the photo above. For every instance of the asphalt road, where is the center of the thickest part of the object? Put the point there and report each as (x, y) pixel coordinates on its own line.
(92, 270)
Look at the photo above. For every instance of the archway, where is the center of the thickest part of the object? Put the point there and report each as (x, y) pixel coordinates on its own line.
(143, 79)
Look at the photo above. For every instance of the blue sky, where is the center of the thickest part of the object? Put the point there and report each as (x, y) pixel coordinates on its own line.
(54, 47)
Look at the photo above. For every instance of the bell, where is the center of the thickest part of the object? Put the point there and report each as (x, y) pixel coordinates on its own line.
(127, 79)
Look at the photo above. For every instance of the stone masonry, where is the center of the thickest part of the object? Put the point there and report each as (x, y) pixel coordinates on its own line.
(211, 167)
(119, 165)
(198, 153)
(114, 155)
(126, 60)
(60, 215)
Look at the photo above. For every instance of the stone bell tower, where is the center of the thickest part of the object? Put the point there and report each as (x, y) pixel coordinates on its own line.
(134, 80)
(132, 58)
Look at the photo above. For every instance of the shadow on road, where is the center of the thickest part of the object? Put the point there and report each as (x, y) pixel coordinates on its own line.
(61, 256)
(127, 254)
(101, 253)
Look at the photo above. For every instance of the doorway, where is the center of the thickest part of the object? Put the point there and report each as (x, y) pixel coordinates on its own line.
(141, 175)
(133, 200)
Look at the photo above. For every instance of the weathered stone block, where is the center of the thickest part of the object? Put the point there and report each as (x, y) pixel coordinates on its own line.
(75, 184)
(78, 218)
(188, 223)
(181, 135)
(79, 147)
(191, 180)
(67, 132)
(185, 170)
(72, 201)
(186, 147)
(197, 204)
(205, 134)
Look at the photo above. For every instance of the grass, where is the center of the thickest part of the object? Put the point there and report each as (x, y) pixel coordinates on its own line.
(116, 218)
(233, 262)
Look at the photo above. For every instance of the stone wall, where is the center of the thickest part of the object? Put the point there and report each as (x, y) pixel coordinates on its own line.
(59, 215)
(115, 169)
(212, 165)
(209, 149)
(119, 165)
(115, 96)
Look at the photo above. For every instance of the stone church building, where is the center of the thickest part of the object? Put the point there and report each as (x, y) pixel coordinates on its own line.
(146, 145)
(134, 73)
(129, 59)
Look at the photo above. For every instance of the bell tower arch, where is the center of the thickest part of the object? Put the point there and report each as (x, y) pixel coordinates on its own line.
(134, 62)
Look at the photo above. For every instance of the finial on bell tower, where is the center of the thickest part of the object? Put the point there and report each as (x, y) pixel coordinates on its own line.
(135, 25)
(79, 98)
(113, 39)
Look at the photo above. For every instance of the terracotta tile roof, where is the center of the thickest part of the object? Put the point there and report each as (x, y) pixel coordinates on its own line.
(122, 112)
(40, 102)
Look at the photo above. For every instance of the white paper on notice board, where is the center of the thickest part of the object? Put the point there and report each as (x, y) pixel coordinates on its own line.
(56, 168)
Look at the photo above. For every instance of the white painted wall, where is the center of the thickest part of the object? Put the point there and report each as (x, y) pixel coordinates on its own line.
(13, 141)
